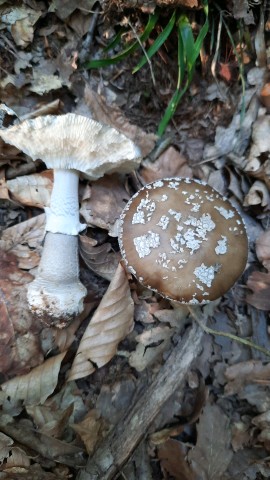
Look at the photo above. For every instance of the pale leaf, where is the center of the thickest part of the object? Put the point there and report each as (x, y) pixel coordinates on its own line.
(100, 259)
(212, 453)
(91, 430)
(36, 386)
(112, 321)
(63, 338)
(31, 232)
(33, 190)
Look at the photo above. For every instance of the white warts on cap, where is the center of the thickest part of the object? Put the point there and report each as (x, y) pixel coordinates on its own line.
(145, 243)
(144, 211)
(221, 247)
(205, 274)
(224, 212)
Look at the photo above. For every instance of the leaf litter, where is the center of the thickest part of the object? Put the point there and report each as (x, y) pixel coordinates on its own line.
(64, 394)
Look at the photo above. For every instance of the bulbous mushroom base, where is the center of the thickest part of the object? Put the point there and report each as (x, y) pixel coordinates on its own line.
(56, 305)
(56, 295)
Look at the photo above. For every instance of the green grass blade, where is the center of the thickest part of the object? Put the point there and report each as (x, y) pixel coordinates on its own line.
(188, 52)
(170, 110)
(115, 41)
(157, 43)
(105, 62)
(200, 38)
(180, 59)
(186, 33)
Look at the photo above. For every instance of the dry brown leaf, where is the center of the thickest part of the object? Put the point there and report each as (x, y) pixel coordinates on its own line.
(259, 283)
(151, 345)
(245, 373)
(20, 20)
(263, 249)
(19, 342)
(110, 324)
(16, 460)
(91, 430)
(240, 435)
(36, 386)
(112, 115)
(212, 453)
(63, 338)
(172, 457)
(4, 195)
(32, 190)
(170, 163)
(50, 420)
(103, 203)
(258, 195)
(22, 431)
(100, 259)
(24, 241)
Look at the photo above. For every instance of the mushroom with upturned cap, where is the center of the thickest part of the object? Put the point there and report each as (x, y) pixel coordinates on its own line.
(69, 144)
(184, 240)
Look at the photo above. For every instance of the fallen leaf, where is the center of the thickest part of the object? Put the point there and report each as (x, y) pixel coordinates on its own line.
(91, 430)
(50, 420)
(258, 195)
(51, 448)
(32, 190)
(263, 249)
(36, 386)
(24, 240)
(151, 345)
(19, 343)
(170, 163)
(172, 455)
(113, 115)
(241, 9)
(245, 373)
(212, 453)
(20, 21)
(110, 324)
(99, 258)
(259, 283)
(104, 202)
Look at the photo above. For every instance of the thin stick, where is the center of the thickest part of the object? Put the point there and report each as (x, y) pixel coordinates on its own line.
(119, 445)
(144, 51)
(244, 341)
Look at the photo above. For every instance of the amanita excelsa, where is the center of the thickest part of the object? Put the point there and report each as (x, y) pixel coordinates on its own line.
(69, 144)
(184, 240)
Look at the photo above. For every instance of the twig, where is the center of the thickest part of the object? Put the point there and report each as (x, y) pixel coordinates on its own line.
(144, 51)
(122, 441)
(211, 331)
(89, 37)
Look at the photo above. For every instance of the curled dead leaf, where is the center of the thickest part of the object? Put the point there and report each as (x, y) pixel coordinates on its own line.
(20, 349)
(110, 324)
(258, 195)
(24, 241)
(259, 283)
(263, 249)
(36, 386)
(32, 190)
(113, 115)
(100, 258)
(91, 430)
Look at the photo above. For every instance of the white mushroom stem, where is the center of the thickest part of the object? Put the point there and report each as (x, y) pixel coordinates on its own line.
(63, 213)
(56, 292)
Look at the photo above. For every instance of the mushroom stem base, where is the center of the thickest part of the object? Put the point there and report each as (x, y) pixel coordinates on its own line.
(56, 295)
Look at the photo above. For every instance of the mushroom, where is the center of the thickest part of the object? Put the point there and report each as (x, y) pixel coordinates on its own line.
(69, 144)
(181, 238)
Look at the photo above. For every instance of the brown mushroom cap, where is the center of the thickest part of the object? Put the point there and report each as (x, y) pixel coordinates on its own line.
(184, 240)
